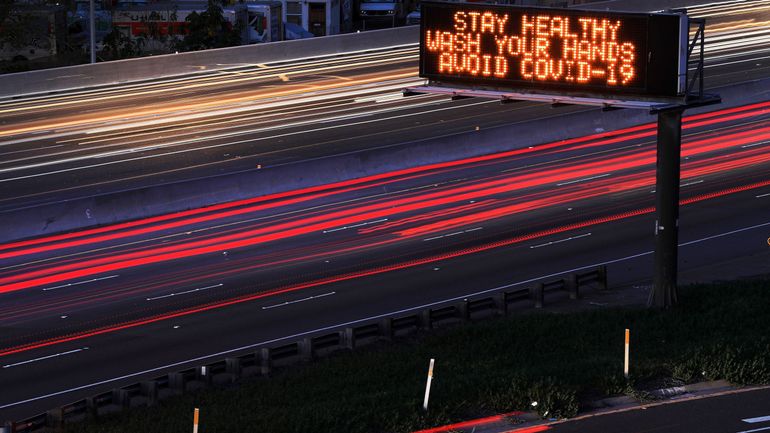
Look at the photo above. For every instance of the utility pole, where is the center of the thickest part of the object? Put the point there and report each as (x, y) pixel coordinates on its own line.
(92, 25)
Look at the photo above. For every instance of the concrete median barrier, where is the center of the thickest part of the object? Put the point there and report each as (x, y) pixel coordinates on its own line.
(171, 65)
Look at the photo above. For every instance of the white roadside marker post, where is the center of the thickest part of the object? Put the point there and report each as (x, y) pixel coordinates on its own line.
(195, 420)
(427, 385)
(625, 364)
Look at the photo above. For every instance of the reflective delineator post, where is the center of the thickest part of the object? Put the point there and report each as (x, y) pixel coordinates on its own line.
(625, 363)
(427, 385)
(195, 420)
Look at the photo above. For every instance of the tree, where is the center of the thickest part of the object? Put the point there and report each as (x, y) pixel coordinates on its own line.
(158, 30)
(118, 46)
(209, 29)
(15, 24)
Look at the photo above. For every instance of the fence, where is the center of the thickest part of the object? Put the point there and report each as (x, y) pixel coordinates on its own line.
(264, 360)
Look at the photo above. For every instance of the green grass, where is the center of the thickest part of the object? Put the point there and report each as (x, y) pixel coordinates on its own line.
(559, 360)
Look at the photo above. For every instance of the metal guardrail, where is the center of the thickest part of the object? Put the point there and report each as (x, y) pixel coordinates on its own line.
(266, 359)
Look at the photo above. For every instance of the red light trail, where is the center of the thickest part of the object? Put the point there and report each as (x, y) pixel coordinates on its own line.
(182, 219)
(361, 274)
(406, 215)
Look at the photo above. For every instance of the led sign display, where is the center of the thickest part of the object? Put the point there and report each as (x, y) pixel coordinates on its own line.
(590, 52)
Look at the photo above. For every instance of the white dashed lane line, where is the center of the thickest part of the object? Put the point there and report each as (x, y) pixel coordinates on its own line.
(560, 241)
(583, 180)
(79, 282)
(185, 292)
(55, 355)
(453, 234)
(355, 225)
(283, 304)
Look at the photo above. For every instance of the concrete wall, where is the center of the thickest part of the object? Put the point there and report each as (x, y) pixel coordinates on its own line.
(127, 205)
(121, 71)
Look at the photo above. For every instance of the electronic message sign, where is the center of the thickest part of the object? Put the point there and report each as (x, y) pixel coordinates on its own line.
(553, 50)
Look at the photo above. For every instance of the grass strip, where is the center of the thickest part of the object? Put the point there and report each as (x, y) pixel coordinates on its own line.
(559, 360)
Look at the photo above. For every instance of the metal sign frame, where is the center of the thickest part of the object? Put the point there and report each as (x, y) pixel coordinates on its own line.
(661, 41)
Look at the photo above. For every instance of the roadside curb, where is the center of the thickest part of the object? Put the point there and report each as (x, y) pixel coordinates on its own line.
(533, 423)
(695, 391)
(662, 393)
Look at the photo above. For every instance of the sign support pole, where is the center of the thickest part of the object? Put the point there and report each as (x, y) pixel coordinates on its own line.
(664, 291)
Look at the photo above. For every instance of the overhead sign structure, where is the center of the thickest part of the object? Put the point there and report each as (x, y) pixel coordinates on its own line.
(566, 56)
(535, 49)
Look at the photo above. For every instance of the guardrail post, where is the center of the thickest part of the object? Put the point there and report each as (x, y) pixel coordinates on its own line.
(349, 338)
(386, 328)
(463, 311)
(425, 319)
(176, 382)
(265, 361)
(150, 392)
(55, 418)
(233, 367)
(120, 398)
(204, 375)
(537, 295)
(602, 277)
(305, 349)
(572, 286)
(501, 304)
(92, 410)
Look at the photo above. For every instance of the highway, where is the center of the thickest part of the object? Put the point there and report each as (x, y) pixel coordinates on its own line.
(94, 141)
(132, 300)
(87, 311)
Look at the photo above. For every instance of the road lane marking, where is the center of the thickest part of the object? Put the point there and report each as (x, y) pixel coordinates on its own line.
(756, 419)
(583, 180)
(755, 144)
(732, 232)
(185, 292)
(366, 319)
(755, 430)
(79, 282)
(381, 98)
(763, 195)
(560, 240)
(355, 225)
(682, 185)
(55, 355)
(283, 304)
(453, 234)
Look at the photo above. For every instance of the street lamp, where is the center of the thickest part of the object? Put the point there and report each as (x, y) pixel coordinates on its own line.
(92, 20)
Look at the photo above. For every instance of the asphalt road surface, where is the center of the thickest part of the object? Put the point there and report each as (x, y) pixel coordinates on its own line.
(92, 310)
(95, 141)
